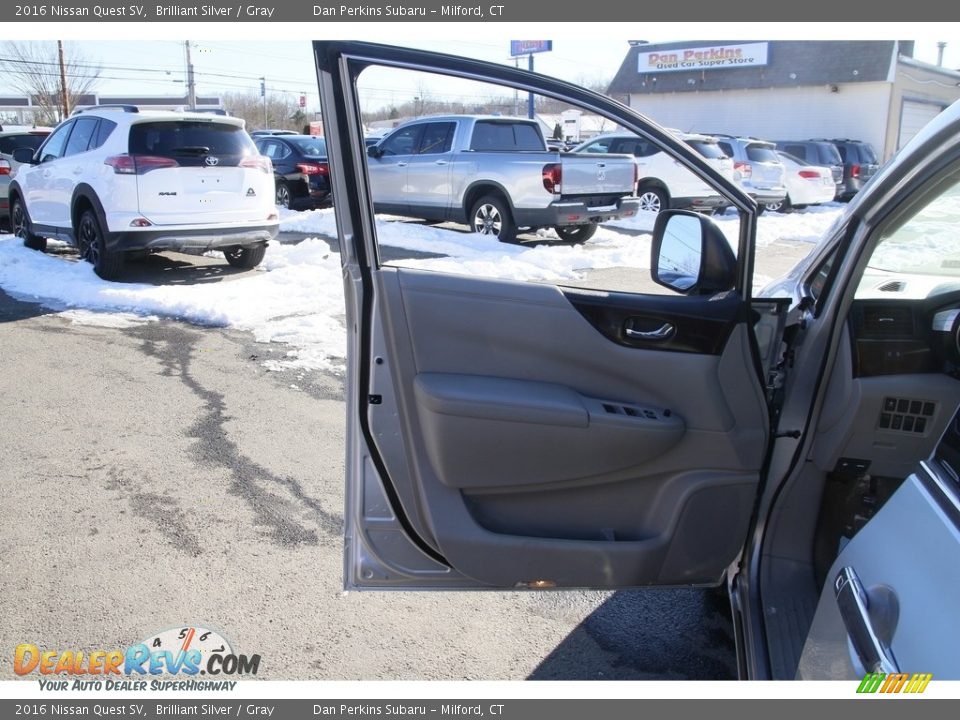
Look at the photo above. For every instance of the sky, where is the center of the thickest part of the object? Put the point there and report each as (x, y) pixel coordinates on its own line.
(157, 66)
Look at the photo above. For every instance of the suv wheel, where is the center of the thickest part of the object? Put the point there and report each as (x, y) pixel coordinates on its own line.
(93, 248)
(490, 216)
(245, 257)
(652, 200)
(20, 224)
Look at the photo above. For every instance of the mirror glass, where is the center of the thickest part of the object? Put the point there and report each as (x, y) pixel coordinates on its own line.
(678, 264)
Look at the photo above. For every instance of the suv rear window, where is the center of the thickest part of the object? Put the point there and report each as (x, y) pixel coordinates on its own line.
(190, 142)
(9, 143)
(707, 149)
(762, 153)
(494, 136)
(866, 153)
(829, 155)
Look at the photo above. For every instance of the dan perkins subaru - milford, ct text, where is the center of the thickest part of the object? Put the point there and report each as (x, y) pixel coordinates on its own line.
(476, 11)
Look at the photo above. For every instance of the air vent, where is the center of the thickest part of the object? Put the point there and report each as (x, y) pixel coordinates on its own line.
(887, 321)
(892, 286)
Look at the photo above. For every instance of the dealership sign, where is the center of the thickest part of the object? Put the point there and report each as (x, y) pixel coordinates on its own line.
(527, 47)
(710, 57)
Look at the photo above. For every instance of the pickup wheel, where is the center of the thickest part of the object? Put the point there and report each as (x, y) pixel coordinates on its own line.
(576, 233)
(784, 206)
(20, 224)
(652, 199)
(93, 248)
(491, 216)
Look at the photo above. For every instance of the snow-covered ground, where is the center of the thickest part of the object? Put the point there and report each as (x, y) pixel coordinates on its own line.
(296, 296)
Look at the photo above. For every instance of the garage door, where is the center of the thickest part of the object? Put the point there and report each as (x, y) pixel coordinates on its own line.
(913, 117)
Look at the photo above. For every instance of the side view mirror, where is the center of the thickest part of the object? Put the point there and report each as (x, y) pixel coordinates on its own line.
(374, 151)
(24, 155)
(690, 254)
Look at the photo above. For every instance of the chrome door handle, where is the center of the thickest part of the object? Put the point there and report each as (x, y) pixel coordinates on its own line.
(401, 164)
(661, 333)
(441, 162)
(852, 601)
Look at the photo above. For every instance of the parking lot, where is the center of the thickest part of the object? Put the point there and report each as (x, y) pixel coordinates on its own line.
(161, 472)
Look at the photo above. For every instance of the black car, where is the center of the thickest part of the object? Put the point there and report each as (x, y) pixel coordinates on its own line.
(860, 163)
(299, 168)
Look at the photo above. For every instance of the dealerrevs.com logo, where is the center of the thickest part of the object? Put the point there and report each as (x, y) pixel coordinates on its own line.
(188, 652)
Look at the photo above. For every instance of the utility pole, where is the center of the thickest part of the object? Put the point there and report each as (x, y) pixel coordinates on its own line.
(516, 94)
(941, 46)
(64, 98)
(263, 94)
(191, 82)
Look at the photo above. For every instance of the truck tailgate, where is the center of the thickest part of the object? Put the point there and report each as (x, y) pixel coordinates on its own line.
(597, 174)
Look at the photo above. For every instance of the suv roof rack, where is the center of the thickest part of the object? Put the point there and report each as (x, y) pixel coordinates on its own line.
(123, 108)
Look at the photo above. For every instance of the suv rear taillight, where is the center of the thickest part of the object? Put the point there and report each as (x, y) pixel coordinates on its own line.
(553, 177)
(744, 168)
(259, 162)
(4, 167)
(854, 171)
(139, 164)
(314, 168)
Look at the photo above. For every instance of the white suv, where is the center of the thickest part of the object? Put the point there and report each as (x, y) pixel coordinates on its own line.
(662, 181)
(113, 180)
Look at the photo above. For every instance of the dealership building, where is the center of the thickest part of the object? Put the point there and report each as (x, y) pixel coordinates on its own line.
(788, 90)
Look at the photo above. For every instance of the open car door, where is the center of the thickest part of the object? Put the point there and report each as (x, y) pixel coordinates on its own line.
(506, 434)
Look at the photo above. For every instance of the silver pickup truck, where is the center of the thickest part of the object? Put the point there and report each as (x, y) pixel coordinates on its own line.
(497, 175)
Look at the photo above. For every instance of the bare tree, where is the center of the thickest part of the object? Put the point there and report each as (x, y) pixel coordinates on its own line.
(33, 68)
(282, 110)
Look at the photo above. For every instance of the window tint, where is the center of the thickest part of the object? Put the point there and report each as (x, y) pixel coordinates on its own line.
(190, 142)
(842, 150)
(53, 148)
(84, 130)
(11, 142)
(829, 155)
(490, 136)
(437, 138)
(600, 146)
(103, 132)
(637, 147)
(866, 153)
(727, 148)
(309, 146)
(708, 149)
(761, 153)
(799, 151)
(404, 141)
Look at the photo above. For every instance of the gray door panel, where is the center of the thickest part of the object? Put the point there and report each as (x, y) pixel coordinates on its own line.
(574, 463)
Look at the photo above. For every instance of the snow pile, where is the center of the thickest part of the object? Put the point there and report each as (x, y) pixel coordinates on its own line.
(297, 299)
(296, 296)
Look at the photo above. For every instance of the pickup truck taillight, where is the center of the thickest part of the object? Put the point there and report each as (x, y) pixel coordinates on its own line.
(552, 177)
(744, 168)
(854, 171)
(138, 164)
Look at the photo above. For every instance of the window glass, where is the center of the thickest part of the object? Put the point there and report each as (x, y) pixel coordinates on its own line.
(404, 141)
(799, 151)
(599, 146)
(103, 132)
(11, 142)
(922, 250)
(710, 150)
(493, 136)
(189, 142)
(727, 148)
(313, 147)
(761, 153)
(84, 130)
(437, 138)
(53, 147)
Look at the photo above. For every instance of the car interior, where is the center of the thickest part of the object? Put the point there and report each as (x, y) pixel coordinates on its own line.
(891, 402)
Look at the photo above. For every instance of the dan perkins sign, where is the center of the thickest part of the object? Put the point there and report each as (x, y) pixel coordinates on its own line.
(714, 57)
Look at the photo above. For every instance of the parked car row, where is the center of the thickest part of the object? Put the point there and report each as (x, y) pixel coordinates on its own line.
(780, 175)
(12, 138)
